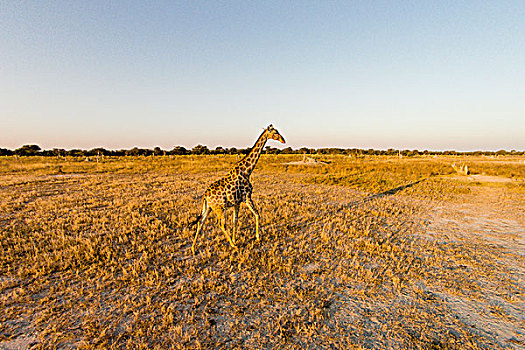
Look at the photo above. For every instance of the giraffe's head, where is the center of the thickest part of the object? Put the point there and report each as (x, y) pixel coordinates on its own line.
(272, 133)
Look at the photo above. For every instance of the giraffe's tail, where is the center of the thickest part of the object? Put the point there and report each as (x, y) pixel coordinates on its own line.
(199, 217)
(194, 222)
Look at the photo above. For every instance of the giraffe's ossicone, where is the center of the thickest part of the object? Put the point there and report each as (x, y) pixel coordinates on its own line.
(234, 189)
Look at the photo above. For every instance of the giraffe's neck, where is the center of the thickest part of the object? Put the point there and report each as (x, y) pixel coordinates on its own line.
(247, 164)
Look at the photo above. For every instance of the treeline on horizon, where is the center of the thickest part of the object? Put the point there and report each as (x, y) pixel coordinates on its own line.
(35, 150)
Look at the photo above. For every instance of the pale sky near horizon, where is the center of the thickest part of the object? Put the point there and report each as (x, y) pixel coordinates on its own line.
(366, 74)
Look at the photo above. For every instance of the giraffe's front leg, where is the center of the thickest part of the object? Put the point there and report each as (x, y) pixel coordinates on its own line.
(253, 209)
(235, 217)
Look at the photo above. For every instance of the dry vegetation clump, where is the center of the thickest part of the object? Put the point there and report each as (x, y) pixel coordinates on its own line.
(98, 256)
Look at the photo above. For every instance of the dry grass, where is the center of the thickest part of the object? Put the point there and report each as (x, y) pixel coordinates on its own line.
(96, 255)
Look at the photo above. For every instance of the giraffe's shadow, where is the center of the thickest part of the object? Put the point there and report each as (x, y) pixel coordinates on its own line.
(389, 192)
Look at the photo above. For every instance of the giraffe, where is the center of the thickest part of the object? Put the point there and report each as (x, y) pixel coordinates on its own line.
(233, 190)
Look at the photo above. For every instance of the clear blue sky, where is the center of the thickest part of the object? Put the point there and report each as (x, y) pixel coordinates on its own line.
(367, 74)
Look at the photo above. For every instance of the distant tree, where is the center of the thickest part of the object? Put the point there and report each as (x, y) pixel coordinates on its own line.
(6, 152)
(271, 150)
(178, 150)
(117, 153)
(98, 152)
(354, 152)
(27, 150)
(133, 152)
(287, 150)
(58, 152)
(200, 149)
(303, 150)
(157, 151)
(244, 150)
(76, 153)
(218, 150)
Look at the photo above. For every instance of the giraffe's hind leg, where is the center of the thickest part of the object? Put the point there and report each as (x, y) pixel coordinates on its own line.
(200, 224)
(253, 209)
(222, 221)
(235, 217)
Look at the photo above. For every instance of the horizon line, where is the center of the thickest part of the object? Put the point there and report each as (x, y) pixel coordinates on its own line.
(271, 147)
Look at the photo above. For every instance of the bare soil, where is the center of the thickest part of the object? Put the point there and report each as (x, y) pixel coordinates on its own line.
(492, 224)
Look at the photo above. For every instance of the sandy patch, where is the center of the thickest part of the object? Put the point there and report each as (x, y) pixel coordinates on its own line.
(497, 309)
(483, 178)
(21, 343)
(308, 161)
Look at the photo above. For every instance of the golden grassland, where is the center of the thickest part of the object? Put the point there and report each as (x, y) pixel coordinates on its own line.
(359, 253)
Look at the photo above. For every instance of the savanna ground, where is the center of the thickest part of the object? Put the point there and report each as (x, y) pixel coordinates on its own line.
(368, 253)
